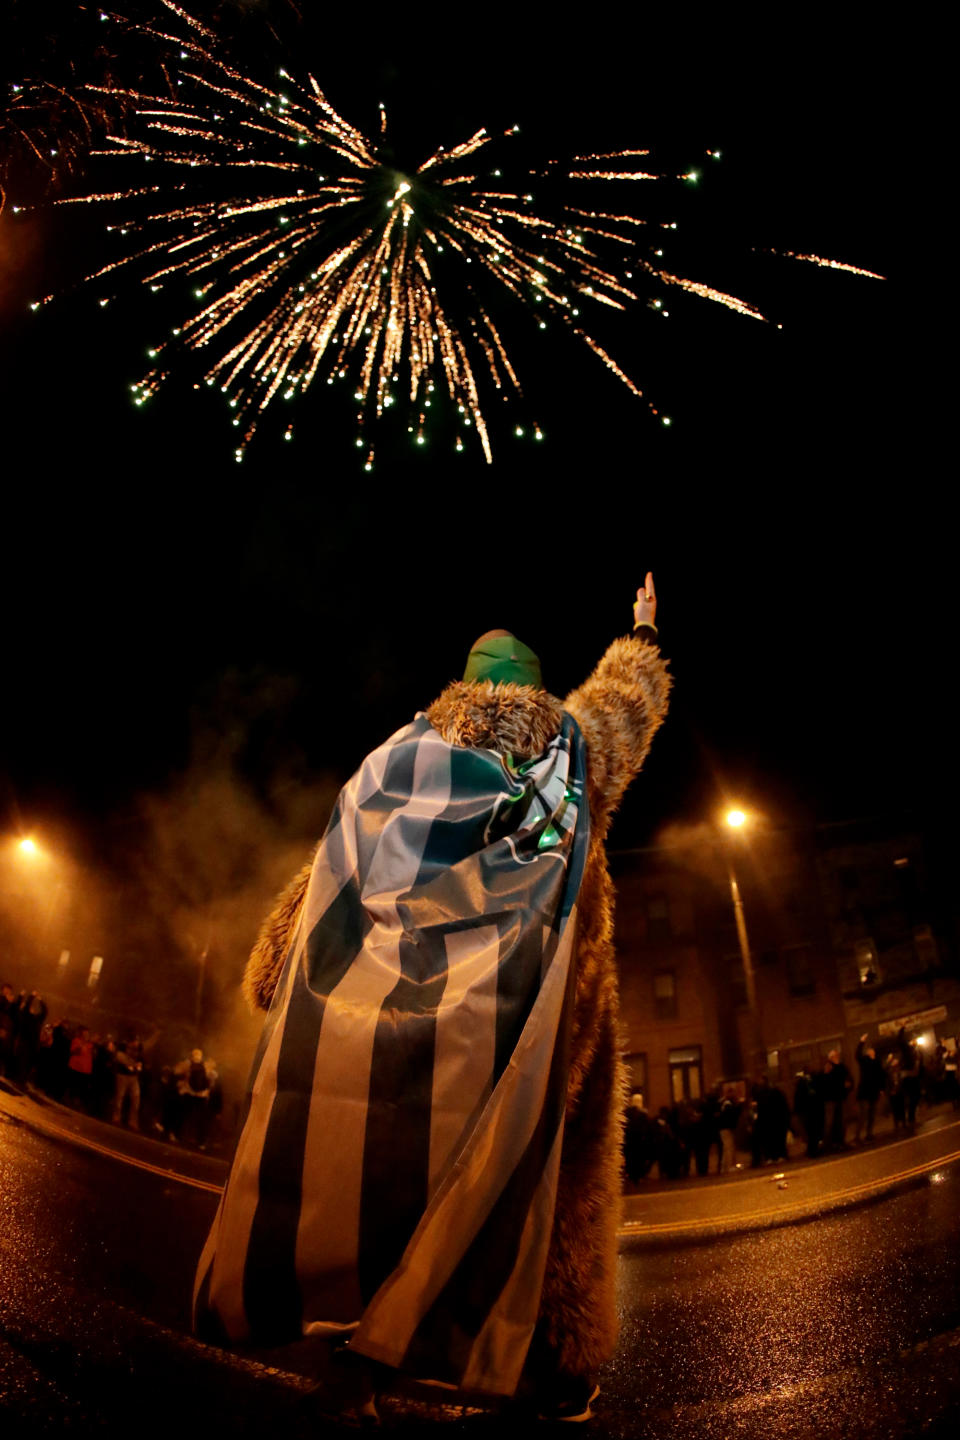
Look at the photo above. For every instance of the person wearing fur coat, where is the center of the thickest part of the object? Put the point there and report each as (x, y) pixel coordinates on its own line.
(618, 710)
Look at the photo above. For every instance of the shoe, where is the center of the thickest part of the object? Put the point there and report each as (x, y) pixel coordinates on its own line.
(347, 1395)
(570, 1400)
(321, 1404)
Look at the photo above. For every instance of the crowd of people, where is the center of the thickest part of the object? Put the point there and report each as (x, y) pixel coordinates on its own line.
(829, 1107)
(112, 1079)
(109, 1077)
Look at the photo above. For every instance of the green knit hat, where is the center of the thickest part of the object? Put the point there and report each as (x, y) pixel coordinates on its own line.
(502, 658)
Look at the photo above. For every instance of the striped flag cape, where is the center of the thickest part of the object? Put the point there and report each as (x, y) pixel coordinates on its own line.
(395, 1178)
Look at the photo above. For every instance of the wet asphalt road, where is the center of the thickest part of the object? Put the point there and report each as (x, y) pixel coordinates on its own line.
(844, 1326)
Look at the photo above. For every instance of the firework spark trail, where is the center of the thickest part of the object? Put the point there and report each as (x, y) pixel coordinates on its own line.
(341, 259)
(829, 264)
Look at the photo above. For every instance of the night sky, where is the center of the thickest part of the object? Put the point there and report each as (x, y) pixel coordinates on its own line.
(163, 603)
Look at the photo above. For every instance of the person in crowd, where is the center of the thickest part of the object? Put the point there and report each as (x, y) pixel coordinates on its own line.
(79, 1090)
(951, 1083)
(9, 1012)
(869, 1088)
(127, 1069)
(165, 1105)
(893, 1084)
(771, 1123)
(59, 1058)
(32, 1013)
(809, 1106)
(45, 1056)
(667, 1146)
(684, 1118)
(637, 1146)
(102, 1085)
(728, 1117)
(705, 1134)
(911, 1065)
(837, 1085)
(195, 1079)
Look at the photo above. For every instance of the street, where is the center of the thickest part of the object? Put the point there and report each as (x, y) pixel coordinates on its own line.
(846, 1325)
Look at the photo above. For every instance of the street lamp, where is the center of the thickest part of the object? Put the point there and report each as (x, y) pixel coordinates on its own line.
(736, 820)
(46, 873)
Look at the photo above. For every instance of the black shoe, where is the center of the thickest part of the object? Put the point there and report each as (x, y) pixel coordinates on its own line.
(346, 1395)
(568, 1400)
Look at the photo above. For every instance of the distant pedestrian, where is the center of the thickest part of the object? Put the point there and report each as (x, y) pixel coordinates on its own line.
(127, 1067)
(893, 1081)
(809, 1105)
(911, 1061)
(727, 1120)
(33, 1013)
(103, 1079)
(637, 1148)
(771, 1123)
(195, 1079)
(837, 1085)
(869, 1088)
(9, 1011)
(951, 1084)
(79, 1089)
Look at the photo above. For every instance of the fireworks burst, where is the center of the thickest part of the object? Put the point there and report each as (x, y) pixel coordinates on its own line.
(308, 253)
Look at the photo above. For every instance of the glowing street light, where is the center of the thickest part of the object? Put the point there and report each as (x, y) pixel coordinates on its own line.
(28, 846)
(736, 818)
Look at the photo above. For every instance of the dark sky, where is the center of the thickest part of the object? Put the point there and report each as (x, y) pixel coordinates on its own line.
(156, 591)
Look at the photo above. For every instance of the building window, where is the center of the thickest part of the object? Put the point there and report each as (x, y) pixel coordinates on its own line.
(686, 1074)
(658, 917)
(636, 1065)
(800, 976)
(868, 968)
(665, 994)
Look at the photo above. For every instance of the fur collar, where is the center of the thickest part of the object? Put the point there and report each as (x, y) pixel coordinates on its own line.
(515, 720)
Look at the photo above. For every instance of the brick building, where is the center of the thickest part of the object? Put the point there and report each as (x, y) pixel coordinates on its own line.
(844, 938)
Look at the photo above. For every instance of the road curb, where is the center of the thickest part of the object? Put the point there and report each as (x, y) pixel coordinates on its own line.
(28, 1112)
(787, 1212)
(35, 1118)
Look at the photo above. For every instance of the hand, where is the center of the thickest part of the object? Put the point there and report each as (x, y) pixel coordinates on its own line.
(645, 605)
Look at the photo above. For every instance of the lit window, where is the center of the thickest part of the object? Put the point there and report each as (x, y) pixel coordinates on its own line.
(686, 1074)
(868, 968)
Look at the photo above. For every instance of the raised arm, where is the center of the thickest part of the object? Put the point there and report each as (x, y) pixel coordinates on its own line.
(620, 708)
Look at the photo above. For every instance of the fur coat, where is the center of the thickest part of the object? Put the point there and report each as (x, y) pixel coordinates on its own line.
(619, 709)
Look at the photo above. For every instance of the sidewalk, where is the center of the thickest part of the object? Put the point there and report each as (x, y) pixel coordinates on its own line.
(60, 1122)
(794, 1189)
(700, 1205)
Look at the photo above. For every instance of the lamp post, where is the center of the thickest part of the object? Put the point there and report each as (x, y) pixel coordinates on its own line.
(736, 820)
